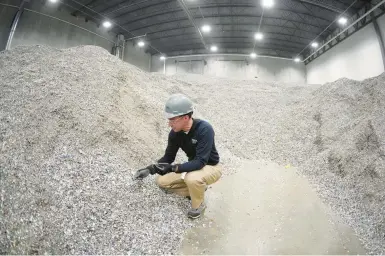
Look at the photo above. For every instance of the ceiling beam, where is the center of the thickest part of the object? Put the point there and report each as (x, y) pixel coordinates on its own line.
(322, 5)
(212, 6)
(192, 45)
(260, 50)
(227, 24)
(302, 39)
(75, 13)
(122, 5)
(162, 13)
(252, 30)
(218, 39)
(227, 51)
(190, 17)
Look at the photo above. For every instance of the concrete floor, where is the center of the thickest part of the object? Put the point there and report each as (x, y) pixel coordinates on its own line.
(268, 209)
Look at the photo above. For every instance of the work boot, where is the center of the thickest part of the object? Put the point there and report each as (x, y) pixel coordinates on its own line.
(196, 213)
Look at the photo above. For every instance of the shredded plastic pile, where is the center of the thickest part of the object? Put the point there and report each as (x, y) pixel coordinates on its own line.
(75, 124)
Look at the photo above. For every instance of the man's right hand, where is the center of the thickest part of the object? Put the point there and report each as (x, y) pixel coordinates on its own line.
(141, 174)
(159, 168)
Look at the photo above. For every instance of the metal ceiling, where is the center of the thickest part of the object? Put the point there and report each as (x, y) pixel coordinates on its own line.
(172, 26)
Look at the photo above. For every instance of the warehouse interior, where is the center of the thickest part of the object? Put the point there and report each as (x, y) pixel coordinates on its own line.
(294, 90)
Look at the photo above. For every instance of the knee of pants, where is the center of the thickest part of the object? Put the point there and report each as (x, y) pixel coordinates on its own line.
(161, 181)
(193, 179)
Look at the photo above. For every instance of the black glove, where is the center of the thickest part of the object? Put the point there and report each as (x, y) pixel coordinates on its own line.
(163, 168)
(141, 174)
(152, 169)
(159, 168)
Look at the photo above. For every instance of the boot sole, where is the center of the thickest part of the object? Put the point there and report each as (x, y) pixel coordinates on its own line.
(196, 217)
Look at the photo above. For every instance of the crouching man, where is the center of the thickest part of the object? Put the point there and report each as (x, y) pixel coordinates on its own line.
(196, 138)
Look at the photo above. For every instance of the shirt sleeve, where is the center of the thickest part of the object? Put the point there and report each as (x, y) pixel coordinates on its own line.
(204, 146)
(171, 150)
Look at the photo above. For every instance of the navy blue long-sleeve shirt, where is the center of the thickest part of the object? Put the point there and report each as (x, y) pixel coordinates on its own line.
(198, 144)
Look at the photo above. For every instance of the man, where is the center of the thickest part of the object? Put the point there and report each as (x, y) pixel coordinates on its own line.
(196, 138)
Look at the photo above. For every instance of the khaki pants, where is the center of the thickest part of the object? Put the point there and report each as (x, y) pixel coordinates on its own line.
(194, 183)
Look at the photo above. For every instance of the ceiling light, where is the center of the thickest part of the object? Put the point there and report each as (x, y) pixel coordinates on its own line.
(314, 44)
(258, 36)
(342, 21)
(268, 3)
(141, 43)
(53, 1)
(162, 57)
(214, 48)
(297, 59)
(253, 55)
(107, 24)
(206, 28)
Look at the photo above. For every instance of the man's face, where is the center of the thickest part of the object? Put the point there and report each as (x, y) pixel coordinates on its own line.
(177, 123)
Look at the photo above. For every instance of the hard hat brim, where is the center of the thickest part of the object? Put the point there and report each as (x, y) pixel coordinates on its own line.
(170, 115)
